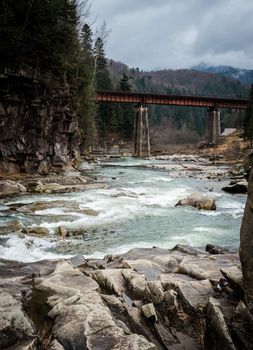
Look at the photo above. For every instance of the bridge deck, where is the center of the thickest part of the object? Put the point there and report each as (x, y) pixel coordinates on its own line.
(172, 100)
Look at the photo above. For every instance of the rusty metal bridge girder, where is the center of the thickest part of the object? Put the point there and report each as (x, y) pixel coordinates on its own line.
(172, 100)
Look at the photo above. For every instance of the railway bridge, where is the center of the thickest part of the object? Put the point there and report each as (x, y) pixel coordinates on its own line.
(142, 99)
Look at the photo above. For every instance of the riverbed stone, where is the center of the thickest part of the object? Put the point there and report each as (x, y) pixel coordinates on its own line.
(239, 187)
(10, 188)
(36, 230)
(197, 200)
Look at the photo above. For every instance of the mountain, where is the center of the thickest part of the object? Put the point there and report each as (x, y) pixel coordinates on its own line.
(180, 81)
(245, 76)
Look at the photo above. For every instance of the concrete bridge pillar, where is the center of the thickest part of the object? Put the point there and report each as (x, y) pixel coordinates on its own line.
(141, 132)
(213, 126)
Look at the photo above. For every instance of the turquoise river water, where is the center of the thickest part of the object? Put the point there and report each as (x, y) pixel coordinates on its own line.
(137, 210)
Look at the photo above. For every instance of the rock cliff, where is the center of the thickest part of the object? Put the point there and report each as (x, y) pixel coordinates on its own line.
(39, 126)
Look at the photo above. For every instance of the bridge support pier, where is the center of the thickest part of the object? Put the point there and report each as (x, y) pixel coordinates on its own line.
(141, 132)
(213, 126)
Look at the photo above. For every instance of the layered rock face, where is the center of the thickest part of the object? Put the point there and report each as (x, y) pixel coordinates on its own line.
(39, 127)
(146, 299)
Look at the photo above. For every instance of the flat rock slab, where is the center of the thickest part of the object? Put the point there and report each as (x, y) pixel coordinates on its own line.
(195, 294)
(208, 267)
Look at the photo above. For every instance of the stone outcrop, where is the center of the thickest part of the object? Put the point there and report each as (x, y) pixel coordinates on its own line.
(11, 188)
(239, 187)
(145, 299)
(198, 201)
(39, 127)
(246, 245)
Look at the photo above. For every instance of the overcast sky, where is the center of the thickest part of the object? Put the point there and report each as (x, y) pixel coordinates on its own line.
(155, 34)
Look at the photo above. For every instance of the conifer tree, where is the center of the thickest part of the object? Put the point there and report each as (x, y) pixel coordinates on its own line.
(102, 82)
(86, 89)
(126, 118)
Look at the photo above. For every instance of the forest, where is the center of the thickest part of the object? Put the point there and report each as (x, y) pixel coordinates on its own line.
(63, 51)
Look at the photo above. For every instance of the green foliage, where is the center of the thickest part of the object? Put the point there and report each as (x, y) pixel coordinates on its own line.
(85, 86)
(104, 116)
(39, 34)
(125, 112)
(248, 120)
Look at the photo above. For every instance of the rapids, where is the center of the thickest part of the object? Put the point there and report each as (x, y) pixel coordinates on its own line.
(137, 210)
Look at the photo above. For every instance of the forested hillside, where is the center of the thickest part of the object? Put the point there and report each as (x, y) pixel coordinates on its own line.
(181, 124)
(51, 65)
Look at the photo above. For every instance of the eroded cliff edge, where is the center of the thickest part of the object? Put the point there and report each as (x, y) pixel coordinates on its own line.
(39, 125)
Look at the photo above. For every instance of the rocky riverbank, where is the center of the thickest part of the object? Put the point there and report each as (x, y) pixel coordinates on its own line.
(145, 299)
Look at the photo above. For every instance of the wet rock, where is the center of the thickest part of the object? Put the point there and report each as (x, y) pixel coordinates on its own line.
(10, 188)
(36, 230)
(217, 334)
(239, 187)
(187, 250)
(214, 249)
(198, 201)
(13, 226)
(62, 231)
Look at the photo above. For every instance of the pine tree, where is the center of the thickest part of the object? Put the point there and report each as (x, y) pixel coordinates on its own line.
(102, 82)
(126, 111)
(248, 120)
(86, 89)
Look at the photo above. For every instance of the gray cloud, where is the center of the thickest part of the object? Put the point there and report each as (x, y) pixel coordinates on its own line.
(153, 34)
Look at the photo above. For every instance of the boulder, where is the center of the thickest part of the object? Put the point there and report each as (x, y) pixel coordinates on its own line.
(36, 230)
(11, 188)
(33, 185)
(214, 249)
(198, 201)
(246, 246)
(239, 187)
(62, 231)
(13, 226)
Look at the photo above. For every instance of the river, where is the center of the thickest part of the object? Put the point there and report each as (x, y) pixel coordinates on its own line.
(136, 210)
